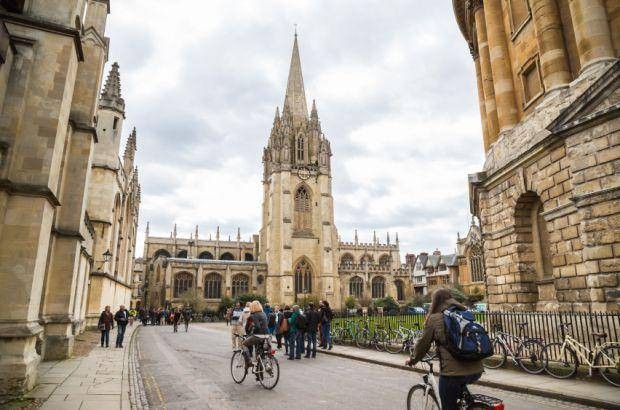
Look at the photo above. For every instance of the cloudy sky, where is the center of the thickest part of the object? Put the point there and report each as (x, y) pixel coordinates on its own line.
(395, 91)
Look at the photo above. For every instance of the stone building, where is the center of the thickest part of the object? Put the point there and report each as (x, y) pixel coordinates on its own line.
(51, 64)
(471, 275)
(548, 195)
(298, 252)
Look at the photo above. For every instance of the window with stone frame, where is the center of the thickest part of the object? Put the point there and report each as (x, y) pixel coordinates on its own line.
(476, 264)
(531, 81)
(182, 254)
(240, 285)
(347, 260)
(519, 11)
(356, 287)
(301, 148)
(365, 261)
(400, 289)
(303, 210)
(205, 255)
(213, 286)
(303, 277)
(248, 257)
(378, 287)
(183, 282)
(227, 256)
(384, 261)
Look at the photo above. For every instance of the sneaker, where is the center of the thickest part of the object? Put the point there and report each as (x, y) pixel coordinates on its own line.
(330, 348)
(290, 358)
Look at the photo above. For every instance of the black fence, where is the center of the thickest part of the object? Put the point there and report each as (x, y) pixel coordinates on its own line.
(540, 325)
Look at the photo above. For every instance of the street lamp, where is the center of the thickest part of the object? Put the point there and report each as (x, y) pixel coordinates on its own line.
(106, 258)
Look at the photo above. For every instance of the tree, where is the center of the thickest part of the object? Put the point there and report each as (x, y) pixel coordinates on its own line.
(350, 302)
(419, 300)
(250, 297)
(225, 304)
(192, 299)
(388, 303)
(306, 300)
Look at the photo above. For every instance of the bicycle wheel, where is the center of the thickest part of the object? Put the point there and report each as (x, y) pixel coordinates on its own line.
(269, 372)
(379, 340)
(363, 339)
(530, 356)
(609, 360)
(237, 367)
(417, 399)
(498, 359)
(558, 364)
(394, 345)
(336, 336)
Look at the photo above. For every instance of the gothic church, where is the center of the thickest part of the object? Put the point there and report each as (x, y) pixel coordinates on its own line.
(298, 251)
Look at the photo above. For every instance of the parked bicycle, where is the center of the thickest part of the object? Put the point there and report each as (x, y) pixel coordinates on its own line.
(425, 395)
(403, 339)
(348, 332)
(525, 352)
(561, 359)
(375, 337)
(264, 364)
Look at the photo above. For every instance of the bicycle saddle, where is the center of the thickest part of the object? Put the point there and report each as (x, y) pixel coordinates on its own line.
(599, 335)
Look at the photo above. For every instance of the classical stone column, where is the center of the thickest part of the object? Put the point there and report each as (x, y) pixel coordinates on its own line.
(591, 32)
(613, 11)
(500, 65)
(553, 59)
(482, 106)
(486, 76)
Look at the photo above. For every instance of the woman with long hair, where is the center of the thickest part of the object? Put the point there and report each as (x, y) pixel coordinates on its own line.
(257, 329)
(454, 373)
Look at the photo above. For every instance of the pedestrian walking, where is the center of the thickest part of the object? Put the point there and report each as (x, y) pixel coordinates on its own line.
(326, 315)
(271, 319)
(295, 333)
(176, 318)
(106, 323)
(312, 326)
(122, 318)
(132, 316)
(285, 328)
(235, 316)
(187, 317)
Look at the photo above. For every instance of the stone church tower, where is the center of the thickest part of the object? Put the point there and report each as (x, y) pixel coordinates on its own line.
(298, 239)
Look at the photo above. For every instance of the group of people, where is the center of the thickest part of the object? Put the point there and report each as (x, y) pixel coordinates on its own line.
(106, 323)
(298, 330)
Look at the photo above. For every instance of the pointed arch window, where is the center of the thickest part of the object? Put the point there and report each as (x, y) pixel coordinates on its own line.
(182, 283)
(378, 287)
(301, 148)
(303, 277)
(303, 210)
(400, 290)
(213, 286)
(356, 287)
(240, 285)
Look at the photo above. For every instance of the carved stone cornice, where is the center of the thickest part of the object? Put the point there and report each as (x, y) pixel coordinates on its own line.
(41, 191)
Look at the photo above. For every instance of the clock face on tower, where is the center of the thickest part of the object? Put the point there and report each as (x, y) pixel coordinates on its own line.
(303, 173)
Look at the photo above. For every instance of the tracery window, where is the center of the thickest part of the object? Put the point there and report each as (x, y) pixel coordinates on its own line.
(300, 148)
(347, 260)
(303, 210)
(182, 283)
(205, 255)
(400, 290)
(378, 287)
(356, 287)
(384, 260)
(227, 256)
(240, 285)
(303, 277)
(213, 286)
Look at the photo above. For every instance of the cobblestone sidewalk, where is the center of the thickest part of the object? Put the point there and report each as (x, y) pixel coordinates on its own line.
(99, 380)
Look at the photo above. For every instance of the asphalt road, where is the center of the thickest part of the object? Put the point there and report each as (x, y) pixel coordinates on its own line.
(192, 371)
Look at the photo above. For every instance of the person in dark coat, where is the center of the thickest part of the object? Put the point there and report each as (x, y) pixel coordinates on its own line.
(454, 373)
(312, 327)
(122, 318)
(106, 323)
(257, 331)
(325, 318)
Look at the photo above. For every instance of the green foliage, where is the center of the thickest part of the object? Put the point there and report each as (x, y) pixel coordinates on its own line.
(350, 302)
(250, 297)
(387, 303)
(419, 300)
(306, 300)
(225, 303)
(193, 300)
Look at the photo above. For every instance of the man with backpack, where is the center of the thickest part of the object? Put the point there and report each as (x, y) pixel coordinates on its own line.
(271, 318)
(325, 318)
(312, 319)
(460, 353)
(297, 325)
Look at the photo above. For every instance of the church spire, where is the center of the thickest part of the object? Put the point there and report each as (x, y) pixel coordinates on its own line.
(295, 98)
(111, 94)
(130, 151)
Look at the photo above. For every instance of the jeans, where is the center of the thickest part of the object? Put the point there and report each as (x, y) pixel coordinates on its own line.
(279, 340)
(120, 334)
(451, 388)
(296, 342)
(105, 336)
(326, 332)
(311, 338)
(303, 342)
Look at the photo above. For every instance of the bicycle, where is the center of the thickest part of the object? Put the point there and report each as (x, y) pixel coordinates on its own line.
(527, 354)
(425, 395)
(398, 339)
(349, 331)
(561, 359)
(375, 338)
(264, 363)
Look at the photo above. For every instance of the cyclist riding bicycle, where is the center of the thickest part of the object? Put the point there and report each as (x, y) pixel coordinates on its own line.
(257, 330)
(454, 374)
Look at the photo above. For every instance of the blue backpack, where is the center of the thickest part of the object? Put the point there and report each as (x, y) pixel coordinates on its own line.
(466, 339)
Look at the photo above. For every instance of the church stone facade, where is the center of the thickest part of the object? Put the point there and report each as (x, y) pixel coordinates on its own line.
(298, 252)
(60, 176)
(548, 197)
